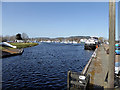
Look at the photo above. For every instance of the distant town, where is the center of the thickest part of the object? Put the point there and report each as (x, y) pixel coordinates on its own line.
(72, 39)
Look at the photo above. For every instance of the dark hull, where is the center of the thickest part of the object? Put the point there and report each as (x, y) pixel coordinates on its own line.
(90, 46)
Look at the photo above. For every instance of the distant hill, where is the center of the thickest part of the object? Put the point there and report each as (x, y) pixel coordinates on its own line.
(80, 37)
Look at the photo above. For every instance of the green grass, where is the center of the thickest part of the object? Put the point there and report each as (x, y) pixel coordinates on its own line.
(24, 45)
(3, 48)
(0, 47)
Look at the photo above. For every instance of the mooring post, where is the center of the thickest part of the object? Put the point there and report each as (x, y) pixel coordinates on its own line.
(68, 80)
(119, 26)
(111, 61)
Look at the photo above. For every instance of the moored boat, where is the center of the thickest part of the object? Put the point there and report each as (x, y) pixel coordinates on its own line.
(91, 44)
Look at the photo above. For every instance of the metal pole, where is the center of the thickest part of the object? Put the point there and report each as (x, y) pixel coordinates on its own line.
(111, 64)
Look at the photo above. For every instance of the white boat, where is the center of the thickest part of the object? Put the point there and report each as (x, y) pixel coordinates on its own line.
(117, 68)
(90, 44)
(7, 44)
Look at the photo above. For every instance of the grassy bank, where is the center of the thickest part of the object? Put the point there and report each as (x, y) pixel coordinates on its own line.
(0, 47)
(24, 45)
(3, 48)
(8, 51)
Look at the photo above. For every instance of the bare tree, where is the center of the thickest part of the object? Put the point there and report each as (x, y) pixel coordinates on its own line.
(101, 39)
(6, 38)
(0, 38)
(24, 36)
(12, 38)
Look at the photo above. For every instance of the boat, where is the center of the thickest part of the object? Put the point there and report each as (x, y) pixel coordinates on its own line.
(91, 44)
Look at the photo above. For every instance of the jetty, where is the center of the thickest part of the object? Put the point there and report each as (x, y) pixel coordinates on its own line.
(10, 52)
(99, 72)
(13, 49)
(98, 69)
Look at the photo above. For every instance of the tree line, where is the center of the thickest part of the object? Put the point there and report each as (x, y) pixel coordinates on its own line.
(25, 37)
(18, 36)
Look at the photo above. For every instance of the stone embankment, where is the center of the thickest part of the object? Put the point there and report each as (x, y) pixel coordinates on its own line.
(97, 67)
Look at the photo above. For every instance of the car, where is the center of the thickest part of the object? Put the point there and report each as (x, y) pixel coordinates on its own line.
(117, 68)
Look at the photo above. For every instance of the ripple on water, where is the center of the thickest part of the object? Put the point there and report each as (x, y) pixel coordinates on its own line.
(44, 66)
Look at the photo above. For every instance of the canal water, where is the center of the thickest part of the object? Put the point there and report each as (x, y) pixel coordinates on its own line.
(44, 66)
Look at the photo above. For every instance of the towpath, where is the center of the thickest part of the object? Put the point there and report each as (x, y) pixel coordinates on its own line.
(98, 68)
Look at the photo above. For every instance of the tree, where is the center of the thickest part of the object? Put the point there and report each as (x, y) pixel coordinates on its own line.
(12, 38)
(25, 36)
(101, 39)
(18, 37)
(6, 38)
(0, 38)
(60, 39)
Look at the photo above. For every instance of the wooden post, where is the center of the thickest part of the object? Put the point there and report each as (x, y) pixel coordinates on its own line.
(1, 40)
(119, 21)
(111, 63)
(68, 80)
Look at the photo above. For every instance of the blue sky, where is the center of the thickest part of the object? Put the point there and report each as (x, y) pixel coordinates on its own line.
(59, 19)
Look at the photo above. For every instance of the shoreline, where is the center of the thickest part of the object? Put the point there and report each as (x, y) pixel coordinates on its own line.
(97, 68)
(8, 52)
(85, 69)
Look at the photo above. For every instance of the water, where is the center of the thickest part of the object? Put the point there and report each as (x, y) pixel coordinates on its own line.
(44, 66)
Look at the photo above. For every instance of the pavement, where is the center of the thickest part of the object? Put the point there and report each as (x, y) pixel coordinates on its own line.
(98, 69)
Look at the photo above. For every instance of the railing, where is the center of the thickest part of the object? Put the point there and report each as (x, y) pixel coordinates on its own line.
(89, 62)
